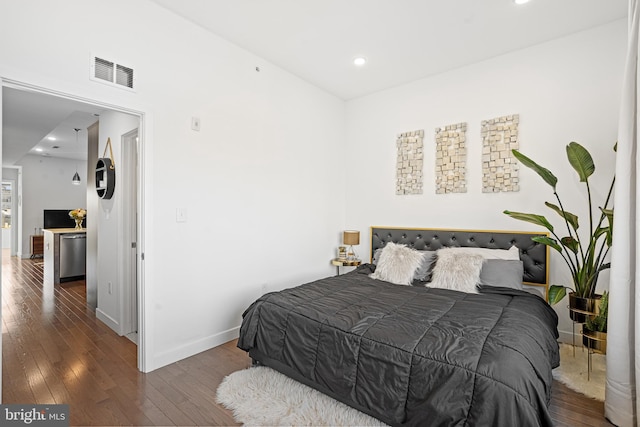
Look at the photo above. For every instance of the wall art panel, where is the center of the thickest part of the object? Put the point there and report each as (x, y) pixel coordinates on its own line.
(409, 162)
(451, 159)
(499, 166)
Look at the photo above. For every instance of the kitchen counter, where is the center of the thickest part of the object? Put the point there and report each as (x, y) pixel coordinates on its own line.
(64, 254)
(64, 230)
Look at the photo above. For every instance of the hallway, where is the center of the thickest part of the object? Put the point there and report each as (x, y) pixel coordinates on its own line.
(56, 351)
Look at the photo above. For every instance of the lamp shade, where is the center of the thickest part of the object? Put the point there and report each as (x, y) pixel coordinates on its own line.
(351, 237)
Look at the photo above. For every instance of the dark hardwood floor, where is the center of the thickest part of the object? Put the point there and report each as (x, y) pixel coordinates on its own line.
(54, 350)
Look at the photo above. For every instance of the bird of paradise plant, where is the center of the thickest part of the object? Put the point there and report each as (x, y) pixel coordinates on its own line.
(584, 257)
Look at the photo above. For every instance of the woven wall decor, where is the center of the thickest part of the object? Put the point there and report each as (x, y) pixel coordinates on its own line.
(499, 166)
(409, 162)
(451, 159)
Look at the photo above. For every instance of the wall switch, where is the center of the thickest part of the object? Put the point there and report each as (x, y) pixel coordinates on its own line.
(181, 214)
(195, 123)
(110, 287)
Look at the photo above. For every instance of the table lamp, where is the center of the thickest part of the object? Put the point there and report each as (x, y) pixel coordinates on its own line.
(351, 237)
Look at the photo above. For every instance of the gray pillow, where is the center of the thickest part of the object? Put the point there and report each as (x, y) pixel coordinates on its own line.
(424, 271)
(376, 256)
(502, 273)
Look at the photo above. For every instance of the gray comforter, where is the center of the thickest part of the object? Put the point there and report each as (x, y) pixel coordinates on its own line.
(412, 355)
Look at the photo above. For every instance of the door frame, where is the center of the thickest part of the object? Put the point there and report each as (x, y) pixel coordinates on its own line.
(144, 356)
(129, 147)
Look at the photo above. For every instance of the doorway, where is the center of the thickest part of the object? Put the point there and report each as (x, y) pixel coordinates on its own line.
(7, 221)
(136, 305)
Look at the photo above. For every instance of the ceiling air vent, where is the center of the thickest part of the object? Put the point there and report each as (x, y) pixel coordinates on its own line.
(106, 71)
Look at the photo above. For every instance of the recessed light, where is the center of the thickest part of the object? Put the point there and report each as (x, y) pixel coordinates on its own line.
(51, 138)
(38, 149)
(520, 1)
(359, 61)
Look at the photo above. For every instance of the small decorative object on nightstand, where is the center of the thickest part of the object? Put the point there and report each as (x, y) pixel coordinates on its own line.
(342, 252)
(351, 237)
(344, 263)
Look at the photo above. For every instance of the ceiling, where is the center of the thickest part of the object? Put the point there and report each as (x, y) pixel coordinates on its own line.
(317, 40)
(403, 40)
(28, 118)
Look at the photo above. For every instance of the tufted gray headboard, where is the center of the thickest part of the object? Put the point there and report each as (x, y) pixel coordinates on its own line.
(534, 255)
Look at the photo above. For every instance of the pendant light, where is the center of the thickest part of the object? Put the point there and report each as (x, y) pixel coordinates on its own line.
(76, 178)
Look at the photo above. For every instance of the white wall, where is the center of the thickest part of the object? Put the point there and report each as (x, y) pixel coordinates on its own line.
(261, 182)
(109, 230)
(46, 184)
(566, 90)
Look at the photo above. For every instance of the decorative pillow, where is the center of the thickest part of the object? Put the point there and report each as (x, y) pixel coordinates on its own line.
(397, 264)
(423, 273)
(456, 270)
(511, 253)
(502, 272)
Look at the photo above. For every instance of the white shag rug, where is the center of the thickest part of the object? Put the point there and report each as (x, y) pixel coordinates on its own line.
(573, 371)
(261, 396)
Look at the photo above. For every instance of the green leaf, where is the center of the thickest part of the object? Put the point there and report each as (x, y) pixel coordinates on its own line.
(556, 293)
(568, 216)
(547, 241)
(581, 160)
(544, 173)
(609, 214)
(532, 218)
(599, 322)
(599, 232)
(604, 266)
(570, 243)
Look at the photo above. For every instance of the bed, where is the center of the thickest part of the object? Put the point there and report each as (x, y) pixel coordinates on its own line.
(417, 354)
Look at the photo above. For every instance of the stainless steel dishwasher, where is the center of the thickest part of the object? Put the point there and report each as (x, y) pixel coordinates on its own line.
(73, 254)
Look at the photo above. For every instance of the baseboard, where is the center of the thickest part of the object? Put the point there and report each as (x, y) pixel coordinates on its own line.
(108, 320)
(195, 347)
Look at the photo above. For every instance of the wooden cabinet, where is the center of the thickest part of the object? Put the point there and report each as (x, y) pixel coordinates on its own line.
(37, 245)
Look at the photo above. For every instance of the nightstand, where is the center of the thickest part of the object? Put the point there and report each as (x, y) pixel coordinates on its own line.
(344, 263)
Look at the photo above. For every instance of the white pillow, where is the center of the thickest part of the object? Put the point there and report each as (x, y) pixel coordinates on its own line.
(456, 270)
(397, 264)
(486, 253)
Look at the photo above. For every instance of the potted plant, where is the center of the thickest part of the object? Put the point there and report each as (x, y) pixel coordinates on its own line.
(594, 330)
(585, 256)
